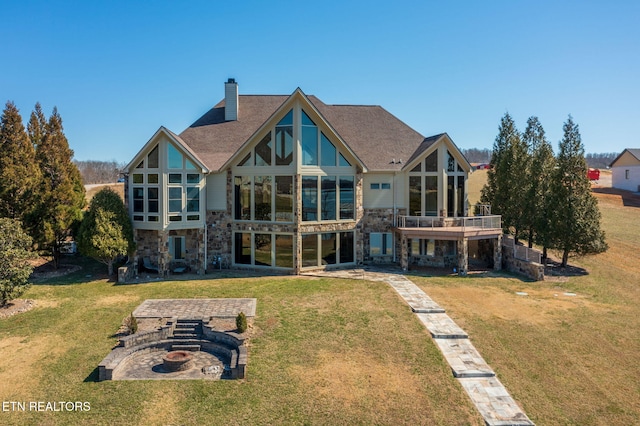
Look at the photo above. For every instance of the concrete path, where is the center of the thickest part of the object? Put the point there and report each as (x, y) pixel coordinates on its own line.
(489, 396)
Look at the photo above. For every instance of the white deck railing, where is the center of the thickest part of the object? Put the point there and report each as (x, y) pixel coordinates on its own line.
(522, 252)
(481, 222)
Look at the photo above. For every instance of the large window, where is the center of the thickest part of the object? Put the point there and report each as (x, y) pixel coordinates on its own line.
(310, 198)
(309, 141)
(267, 205)
(328, 248)
(284, 140)
(263, 249)
(380, 244)
(336, 199)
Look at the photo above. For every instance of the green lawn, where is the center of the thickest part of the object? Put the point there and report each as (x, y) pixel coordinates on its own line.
(323, 352)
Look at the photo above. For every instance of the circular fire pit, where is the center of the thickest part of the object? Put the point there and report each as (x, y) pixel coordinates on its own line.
(177, 361)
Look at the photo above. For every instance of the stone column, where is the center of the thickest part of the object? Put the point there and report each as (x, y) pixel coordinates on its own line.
(404, 253)
(163, 253)
(497, 254)
(463, 257)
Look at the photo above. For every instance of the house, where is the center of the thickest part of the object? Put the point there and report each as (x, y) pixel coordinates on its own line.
(626, 170)
(292, 183)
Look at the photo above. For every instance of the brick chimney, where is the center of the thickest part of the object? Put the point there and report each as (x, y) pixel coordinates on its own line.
(231, 100)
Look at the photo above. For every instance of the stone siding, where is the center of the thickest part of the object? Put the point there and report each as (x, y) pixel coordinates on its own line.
(532, 270)
(378, 220)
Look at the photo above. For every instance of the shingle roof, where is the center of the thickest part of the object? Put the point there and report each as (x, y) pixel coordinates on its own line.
(374, 135)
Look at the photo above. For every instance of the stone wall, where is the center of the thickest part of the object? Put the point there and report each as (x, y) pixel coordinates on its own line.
(532, 270)
(445, 256)
(378, 220)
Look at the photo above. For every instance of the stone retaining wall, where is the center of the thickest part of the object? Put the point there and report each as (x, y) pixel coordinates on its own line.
(529, 269)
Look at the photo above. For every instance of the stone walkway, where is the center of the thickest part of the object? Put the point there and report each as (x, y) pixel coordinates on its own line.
(195, 308)
(489, 396)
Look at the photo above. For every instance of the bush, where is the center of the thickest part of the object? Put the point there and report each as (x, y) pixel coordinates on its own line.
(241, 322)
(131, 323)
(15, 253)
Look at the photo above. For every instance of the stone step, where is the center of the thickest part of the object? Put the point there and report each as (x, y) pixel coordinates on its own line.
(183, 335)
(441, 326)
(463, 358)
(192, 348)
(187, 324)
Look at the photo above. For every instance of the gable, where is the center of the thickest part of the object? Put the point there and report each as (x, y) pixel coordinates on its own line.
(628, 157)
(431, 145)
(159, 143)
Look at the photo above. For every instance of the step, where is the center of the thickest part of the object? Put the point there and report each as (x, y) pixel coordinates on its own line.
(191, 348)
(182, 335)
(180, 324)
(441, 326)
(463, 358)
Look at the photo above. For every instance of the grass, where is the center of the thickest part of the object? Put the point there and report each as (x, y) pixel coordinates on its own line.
(567, 360)
(350, 352)
(323, 352)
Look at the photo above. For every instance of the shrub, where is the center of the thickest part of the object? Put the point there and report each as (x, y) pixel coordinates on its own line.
(15, 252)
(241, 322)
(131, 323)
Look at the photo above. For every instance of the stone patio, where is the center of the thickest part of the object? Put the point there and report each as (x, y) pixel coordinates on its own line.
(195, 308)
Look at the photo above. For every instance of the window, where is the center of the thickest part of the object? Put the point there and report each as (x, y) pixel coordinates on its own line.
(310, 250)
(152, 158)
(262, 249)
(284, 199)
(262, 197)
(242, 246)
(328, 248)
(242, 198)
(381, 244)
(309, 198)
(383, 185)
(152, 200)
(284, 140)
(415, 195)
(346, 247)
(328, 151)
(193, 202)
(626, 174)
(431, 196)
(138, 178)
(284, 251)
(263, 151)
(309, 141)
(328, 200)
(176, 248)
(431, 162)
(347, 205)
(138, 200)
(174, 158)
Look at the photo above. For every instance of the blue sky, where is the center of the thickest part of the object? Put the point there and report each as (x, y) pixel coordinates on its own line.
(118, 70)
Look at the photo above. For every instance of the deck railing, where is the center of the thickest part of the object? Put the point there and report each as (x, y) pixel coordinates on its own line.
(481, 222)
(521, 252)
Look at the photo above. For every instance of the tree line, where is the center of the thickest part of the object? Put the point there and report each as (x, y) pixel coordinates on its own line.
(543, 198)
(596, 161)
(40, 187)
(42, 198)
(93, 171)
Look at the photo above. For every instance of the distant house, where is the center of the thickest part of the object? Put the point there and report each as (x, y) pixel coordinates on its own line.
(626, 170)
(290, 183)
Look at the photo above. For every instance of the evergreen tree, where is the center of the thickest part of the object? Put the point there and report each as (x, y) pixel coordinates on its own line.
(37, 126)
(537, 201)
(19, 174)
(15, 252)
(62, 197)
(106, 231)
(576, 218)
(507, 177)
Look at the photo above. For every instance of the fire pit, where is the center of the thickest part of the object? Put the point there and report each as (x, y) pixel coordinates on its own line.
(177, 361)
